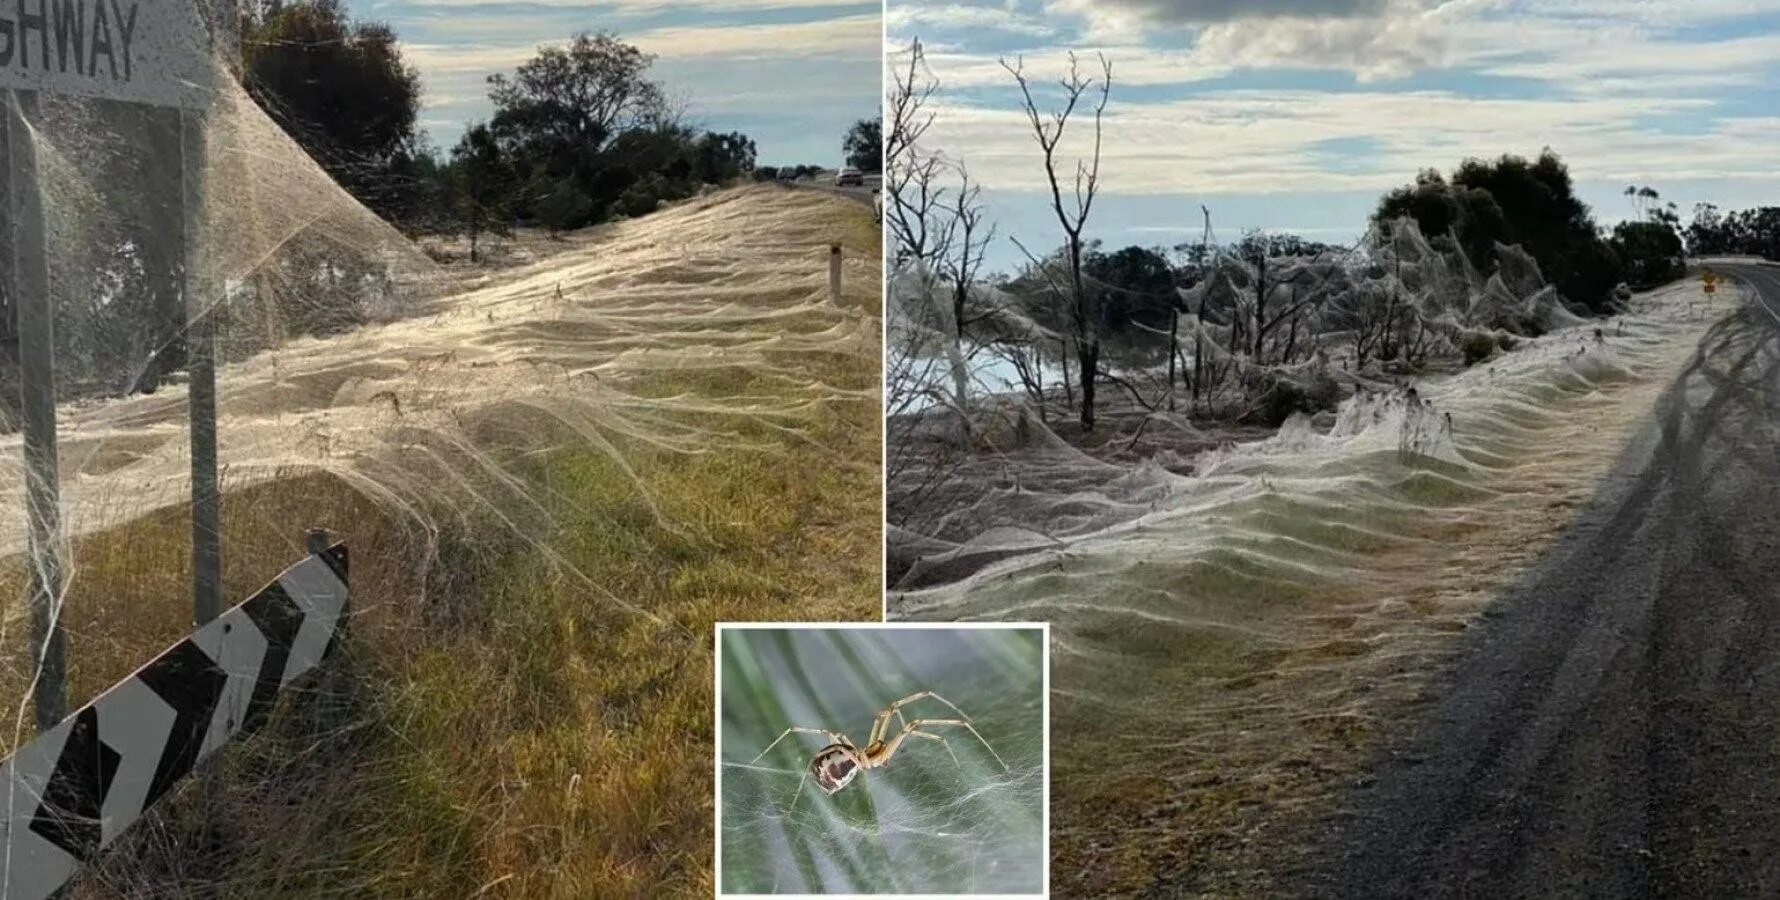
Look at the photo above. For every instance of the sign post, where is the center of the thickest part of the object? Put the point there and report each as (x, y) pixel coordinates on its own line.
(135, 51)
(37, 407)
(200, 370)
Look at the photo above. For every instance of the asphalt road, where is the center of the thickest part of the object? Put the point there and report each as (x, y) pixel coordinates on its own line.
(863, 193)
(1613, 728)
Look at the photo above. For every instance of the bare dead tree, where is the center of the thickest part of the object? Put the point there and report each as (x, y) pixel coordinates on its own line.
(968, 237)
(1048, 130)
(1057, 294)
(922, 215)
(906, 105)
(1199, 317)
(913, 179)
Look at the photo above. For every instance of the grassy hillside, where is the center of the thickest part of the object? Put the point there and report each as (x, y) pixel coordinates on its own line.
(524, 708)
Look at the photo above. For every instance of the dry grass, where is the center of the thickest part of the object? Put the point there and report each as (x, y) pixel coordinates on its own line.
(498, 726)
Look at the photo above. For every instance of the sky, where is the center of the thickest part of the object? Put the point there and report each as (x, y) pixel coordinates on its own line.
(1296, 115)
(791, 74)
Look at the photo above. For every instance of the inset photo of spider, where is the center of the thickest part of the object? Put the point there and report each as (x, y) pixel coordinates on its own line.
(880, 758)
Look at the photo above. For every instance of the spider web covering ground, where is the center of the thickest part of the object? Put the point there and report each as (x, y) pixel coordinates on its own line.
(552, 479)
(1288, 593)
(921, 824)
(1396, 289)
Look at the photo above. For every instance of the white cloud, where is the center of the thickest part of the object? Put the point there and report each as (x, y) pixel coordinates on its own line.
(914, 17)
(853, 36)
(1200, 12)
(1270, 142)
(1667, 13)
(1619, 57)
(1633, 62)
(626, 6)
(1373, 49)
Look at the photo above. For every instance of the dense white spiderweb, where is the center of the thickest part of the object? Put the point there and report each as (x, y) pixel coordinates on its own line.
(347, 354)
(1343, 321)
(921, 824)
(1248, 601)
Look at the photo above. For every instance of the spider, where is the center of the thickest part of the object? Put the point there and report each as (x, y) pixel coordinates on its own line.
(836, 765)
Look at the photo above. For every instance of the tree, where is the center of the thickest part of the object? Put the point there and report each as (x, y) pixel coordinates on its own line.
(719, 158)
(559, 205)
(1546, 218)
(864, 145)
(912, 183)
(593, 136)
(482, 185)
(1072, 217)
(1651, 252)
(586, 114)
(1448, 213)
(1753, 232)
(1512, 200)
(576, 97)
(342, 90)
(1136, 286)
(960, 263)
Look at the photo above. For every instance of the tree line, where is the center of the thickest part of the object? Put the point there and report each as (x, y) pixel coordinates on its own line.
(580, 133)
(1750, 232)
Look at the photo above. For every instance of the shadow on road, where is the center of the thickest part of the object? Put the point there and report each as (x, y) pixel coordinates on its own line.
(1613, 728)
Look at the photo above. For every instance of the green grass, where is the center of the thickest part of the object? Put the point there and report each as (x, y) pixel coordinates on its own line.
(498, 725)
(510, 727)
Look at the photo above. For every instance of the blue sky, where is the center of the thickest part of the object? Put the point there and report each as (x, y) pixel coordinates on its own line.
(1296, 114)
(792, 74)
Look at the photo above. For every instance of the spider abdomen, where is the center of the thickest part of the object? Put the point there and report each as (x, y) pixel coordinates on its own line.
(834, 768)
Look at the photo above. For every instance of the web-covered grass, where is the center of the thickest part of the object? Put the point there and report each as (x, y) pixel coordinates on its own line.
(552, 479)
(1263, 613)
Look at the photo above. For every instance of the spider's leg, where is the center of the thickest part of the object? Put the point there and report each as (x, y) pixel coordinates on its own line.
(922, 695)
(916, 726)
(942, 742)
(795, 797)
(949, 704)
(795, 729)
(879, 727)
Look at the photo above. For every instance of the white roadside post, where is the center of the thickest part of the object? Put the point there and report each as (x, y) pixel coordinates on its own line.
(137, 51)
(834, 274)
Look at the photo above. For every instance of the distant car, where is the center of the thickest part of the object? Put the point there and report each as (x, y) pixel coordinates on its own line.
(849, 177)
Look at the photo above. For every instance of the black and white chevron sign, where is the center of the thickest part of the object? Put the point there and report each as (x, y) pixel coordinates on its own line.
(76, 787)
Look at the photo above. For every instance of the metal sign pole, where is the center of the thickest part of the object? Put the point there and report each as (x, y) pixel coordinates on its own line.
(37, 377)
(200, 348)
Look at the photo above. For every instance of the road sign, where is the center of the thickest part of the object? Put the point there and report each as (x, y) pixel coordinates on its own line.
(78, 786)
(144, 51)
(156, 52)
